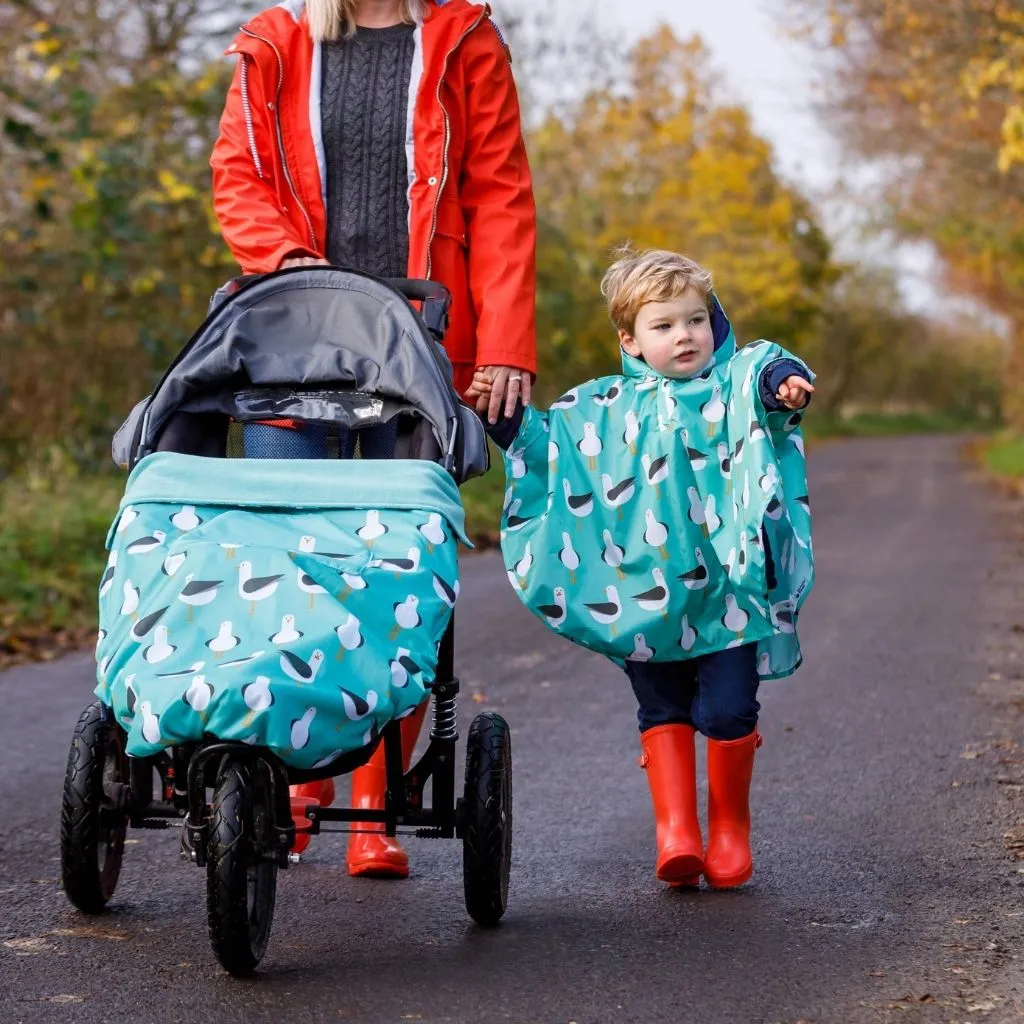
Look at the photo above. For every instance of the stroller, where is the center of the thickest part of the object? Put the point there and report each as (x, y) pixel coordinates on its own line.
(270, 621)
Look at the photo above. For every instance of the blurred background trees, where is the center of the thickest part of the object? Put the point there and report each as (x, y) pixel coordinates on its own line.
(932, 96)
(110, 251)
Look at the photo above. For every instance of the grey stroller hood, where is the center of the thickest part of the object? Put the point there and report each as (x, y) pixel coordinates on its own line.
(313, 343)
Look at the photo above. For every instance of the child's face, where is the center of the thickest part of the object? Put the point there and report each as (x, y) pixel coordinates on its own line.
(674, 338)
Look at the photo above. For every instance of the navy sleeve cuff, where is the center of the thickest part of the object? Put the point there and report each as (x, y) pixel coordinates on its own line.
(503, 432)
(771, 380)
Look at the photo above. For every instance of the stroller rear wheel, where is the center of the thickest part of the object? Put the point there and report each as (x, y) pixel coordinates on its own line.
(487, 818)
(241, 869)
(94, 814)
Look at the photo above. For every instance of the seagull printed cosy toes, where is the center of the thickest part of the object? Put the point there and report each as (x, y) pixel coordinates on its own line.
(309, 637)
(633, 519)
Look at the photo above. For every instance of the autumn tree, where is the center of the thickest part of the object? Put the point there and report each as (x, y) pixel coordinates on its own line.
(932, 93)
(661, 161)
(110, 250)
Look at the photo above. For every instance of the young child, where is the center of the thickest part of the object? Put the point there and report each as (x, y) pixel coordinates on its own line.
(661, 517)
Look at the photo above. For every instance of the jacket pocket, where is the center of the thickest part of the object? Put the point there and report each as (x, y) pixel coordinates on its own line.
(450, 221)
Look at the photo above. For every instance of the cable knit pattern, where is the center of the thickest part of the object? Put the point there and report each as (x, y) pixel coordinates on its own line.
(364, 98)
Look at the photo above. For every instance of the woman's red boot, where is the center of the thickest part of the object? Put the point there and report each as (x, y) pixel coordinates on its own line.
(371, 853)
(319, 793)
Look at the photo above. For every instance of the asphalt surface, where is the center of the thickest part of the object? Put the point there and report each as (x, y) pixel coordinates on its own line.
(886, 820)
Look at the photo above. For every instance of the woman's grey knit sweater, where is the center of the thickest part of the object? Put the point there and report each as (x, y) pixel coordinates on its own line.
(364, 97)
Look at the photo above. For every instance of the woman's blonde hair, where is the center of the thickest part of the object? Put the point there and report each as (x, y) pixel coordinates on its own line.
(332, 19)
(654, 275)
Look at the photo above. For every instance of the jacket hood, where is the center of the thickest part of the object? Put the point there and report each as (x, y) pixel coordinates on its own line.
(721, 331)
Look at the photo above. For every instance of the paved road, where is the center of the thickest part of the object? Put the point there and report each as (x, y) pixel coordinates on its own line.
(887, 783)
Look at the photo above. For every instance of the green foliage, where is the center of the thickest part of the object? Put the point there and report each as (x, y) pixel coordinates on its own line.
(483, 499)
(51, 546)
(110, 247)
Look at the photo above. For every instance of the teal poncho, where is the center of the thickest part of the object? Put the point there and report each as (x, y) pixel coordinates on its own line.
(634, 512)
(295, 605)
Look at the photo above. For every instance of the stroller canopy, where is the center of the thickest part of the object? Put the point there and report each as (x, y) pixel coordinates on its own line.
(313, 343)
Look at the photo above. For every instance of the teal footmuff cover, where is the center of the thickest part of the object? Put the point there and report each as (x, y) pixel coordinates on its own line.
(293, 604)
(634, 512)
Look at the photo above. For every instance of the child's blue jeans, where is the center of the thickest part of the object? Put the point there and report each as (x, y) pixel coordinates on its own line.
(265, 441)
(715, 693)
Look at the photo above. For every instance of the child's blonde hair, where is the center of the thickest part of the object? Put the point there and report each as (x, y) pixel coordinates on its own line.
(653, 275)
(332, 19)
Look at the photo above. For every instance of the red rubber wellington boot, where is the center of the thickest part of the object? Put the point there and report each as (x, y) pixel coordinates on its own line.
(320, 793)
(728, 862)
(670, 760)
(372, 854)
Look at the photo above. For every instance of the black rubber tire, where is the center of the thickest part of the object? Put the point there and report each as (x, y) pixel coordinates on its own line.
(241, 882)
(487, 818)
(91, 848)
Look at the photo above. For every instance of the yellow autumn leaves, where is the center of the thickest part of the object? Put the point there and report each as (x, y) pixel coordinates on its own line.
(660, 160)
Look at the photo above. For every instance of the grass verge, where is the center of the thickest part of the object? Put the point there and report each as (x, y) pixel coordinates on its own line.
(51, 557)
(1003, 457)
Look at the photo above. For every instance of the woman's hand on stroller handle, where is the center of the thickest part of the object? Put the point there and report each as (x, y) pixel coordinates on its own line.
(303, 261)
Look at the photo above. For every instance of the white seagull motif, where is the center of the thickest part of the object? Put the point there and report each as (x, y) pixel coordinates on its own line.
(655, 599)
(554, 613)
(606, 612)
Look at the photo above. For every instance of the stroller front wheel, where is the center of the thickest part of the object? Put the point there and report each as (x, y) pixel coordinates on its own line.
(487, 819)
(241, 869)
(94, 816)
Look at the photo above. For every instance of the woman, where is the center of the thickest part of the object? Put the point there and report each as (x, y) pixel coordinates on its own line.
(384, 135)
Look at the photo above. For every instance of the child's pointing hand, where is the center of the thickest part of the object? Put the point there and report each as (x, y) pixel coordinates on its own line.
(795, 392)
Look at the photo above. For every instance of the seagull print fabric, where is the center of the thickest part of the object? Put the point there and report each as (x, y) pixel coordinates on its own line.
(275, 606)
(634, 511)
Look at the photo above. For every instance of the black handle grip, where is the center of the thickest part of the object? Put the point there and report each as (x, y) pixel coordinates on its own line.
(436, 299)
(418, 290)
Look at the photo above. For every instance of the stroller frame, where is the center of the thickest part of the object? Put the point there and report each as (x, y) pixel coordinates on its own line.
(403, 797)
(246, 832)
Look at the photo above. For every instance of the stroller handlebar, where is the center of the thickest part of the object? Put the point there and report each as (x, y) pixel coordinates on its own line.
(436, 299)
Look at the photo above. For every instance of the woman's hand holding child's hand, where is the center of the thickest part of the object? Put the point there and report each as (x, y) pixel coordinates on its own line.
(794, 392)
(492, 384)
(479, 393)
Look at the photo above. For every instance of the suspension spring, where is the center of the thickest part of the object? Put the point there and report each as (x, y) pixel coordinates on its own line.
(445, 725)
